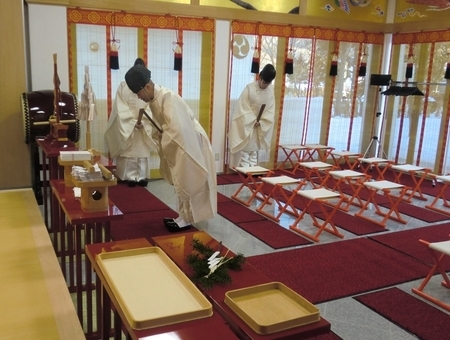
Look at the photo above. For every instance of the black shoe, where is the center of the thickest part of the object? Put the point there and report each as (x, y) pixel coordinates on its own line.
(142, 183)
(132, 183)
(173, 227)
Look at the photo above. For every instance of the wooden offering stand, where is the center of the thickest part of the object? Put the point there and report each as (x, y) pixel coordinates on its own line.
(94, 194)
(74, 158)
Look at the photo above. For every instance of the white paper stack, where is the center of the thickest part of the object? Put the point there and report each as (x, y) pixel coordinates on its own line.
(75, 155)
(83, 175)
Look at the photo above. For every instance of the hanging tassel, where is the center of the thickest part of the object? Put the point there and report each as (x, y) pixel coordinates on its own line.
(362, 69)
(178, 52)
(409, 69)
(114, 51)
(178, 58)
(363, 66)
(289, 64)
(334, 65)
(114, 57)
(410, 62)
(447, 71)
(255, 61)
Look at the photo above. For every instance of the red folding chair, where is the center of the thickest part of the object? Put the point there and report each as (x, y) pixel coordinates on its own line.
(280, 195)
(439, 251)
(250, 177)
(324, 198)
(349, 183)
(394, 192)
(417, 174)
(445, 208)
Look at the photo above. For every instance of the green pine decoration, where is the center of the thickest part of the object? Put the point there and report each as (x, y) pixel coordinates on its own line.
(206, 276)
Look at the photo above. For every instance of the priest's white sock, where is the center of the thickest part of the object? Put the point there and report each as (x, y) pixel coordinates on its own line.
(181, 222)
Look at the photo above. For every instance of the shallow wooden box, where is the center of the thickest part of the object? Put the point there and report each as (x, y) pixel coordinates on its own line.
(271, 307)
(151, 290)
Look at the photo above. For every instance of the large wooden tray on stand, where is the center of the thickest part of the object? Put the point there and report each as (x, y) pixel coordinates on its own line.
(151, 289)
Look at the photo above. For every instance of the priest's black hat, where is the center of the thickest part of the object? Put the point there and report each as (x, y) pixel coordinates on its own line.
(137, 77)
(268, 73)
(139, 61)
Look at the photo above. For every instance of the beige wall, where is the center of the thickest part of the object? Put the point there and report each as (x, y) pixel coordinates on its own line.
(14, 155)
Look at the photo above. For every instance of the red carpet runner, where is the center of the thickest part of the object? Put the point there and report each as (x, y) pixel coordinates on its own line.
(408, 312)
(407, 241)
(336, 270)
(257, 225)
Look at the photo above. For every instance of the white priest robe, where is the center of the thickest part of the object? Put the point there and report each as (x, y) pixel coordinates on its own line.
(243, 135)
(187, 158)
(129, 146)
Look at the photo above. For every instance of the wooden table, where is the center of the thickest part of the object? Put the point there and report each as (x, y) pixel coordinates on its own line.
(35, 302)
(179, 246)
(77, 228)
(51, 170)
(197, 329)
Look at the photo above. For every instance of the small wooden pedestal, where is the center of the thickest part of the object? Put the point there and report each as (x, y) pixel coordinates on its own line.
(94, 195)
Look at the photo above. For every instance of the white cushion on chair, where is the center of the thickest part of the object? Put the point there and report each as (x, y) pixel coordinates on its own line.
(380, 185)
(407, 167)
(442, 247)
(320, 193)
(316, 165)
(251, 169)
(280, 180)
(346, 173)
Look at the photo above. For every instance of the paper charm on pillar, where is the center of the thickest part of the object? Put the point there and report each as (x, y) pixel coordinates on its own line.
(334, 65)
(255, 61)
(447, 71)
(289, 64)
(88, 109)
(409, 67)
(178, 58)
(363, 66)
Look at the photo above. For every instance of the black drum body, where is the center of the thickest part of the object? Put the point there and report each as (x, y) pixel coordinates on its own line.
(38, 107)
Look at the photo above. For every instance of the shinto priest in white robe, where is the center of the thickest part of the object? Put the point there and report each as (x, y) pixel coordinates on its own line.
(243, 135)
(187, 158)
(129, 146)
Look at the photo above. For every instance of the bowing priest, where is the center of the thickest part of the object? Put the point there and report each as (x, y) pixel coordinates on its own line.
(186, 157)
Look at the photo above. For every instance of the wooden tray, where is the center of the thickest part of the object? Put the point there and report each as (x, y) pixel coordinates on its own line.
(151, 290)
(271, 307)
